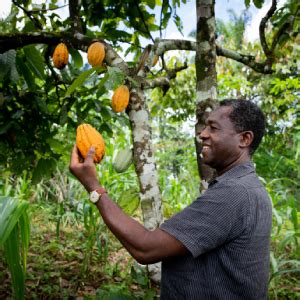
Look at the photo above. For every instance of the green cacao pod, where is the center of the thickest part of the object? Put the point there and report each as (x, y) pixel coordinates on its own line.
(123, 160)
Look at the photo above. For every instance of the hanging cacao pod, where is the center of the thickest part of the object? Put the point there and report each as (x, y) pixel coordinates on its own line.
(86, 137)
(120, 98)
(96, 54)
(123, 160)
(60, 56)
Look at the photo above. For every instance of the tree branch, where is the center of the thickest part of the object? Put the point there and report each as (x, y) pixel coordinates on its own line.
(162, 82)
(262, 28)
(247, 60)
(81, 42)
(18, 40)
(29, 15)
(74, 9)
(76, 40)
(163, 45)
(173, 72)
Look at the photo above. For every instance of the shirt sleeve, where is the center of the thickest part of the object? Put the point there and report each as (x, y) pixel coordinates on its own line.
(214, 218)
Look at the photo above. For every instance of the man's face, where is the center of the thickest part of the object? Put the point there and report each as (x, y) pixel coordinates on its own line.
(219, 139)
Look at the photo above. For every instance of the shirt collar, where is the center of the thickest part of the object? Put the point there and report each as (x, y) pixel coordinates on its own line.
(235, 172)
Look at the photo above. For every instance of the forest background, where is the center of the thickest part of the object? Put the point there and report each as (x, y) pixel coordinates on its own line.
(53, 242)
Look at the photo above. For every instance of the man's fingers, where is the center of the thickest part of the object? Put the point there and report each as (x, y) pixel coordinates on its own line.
(74, 156)
(90, 155)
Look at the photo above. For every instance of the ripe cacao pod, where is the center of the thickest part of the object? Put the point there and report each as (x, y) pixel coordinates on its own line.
(96, 54)
(123, 160)
(86, 137)
(120, 98)
(60, 56)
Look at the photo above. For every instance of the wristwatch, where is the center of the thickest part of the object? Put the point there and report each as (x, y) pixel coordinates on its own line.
(96, 195)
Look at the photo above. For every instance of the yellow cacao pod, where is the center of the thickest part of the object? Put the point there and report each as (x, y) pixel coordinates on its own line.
(86, 137)
(120, 98)
(96, 54)
(60, 56)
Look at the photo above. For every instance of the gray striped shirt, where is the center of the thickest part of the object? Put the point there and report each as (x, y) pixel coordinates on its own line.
(227, 231)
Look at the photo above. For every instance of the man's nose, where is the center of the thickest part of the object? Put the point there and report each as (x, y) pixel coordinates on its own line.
(203, 134)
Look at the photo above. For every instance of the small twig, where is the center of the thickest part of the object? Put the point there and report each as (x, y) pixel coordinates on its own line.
(262, 28)
(145, 24)
(29, 15)
(35, 11)
(173, 72)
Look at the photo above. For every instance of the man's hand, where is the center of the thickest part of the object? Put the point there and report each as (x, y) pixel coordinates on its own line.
(84, 171)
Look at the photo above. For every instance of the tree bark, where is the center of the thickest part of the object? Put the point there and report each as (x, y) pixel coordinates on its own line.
(206, 76)
(151, 202)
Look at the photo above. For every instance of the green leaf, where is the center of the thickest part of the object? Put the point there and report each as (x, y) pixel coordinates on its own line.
(129, 201)
(8, 65)
(44, 169)
(151, 3)
(12, 256)
(10, 212)
(25, 237)
(35, 61)
(103, 81)
(81, 79)
(258, 3)
(63, 115)
(25, 71)
(247, 3)
(116, 78)
(178, 23)
(76, 57)
(56, 145)
(105, 113)
(107, 128)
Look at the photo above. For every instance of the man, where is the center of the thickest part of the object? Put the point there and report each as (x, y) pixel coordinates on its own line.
(218, 247)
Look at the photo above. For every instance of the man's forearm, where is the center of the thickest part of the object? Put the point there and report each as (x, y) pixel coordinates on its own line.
(134, 236)
(144, 245)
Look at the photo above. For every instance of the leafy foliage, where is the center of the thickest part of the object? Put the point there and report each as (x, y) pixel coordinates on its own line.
(41, 107)
(39, 103)
(14, 235)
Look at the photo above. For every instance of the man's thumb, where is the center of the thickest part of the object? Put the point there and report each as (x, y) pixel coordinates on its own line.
(90, 155)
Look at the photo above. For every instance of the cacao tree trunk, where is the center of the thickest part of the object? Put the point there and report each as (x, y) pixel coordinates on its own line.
(206, 76)
(150, 196)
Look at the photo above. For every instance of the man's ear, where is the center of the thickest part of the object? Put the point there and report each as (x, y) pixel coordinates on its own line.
(246, 138)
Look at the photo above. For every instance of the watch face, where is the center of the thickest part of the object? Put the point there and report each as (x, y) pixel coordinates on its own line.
(94, 196)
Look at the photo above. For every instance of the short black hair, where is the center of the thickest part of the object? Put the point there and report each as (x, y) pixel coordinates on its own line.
(247, 116)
